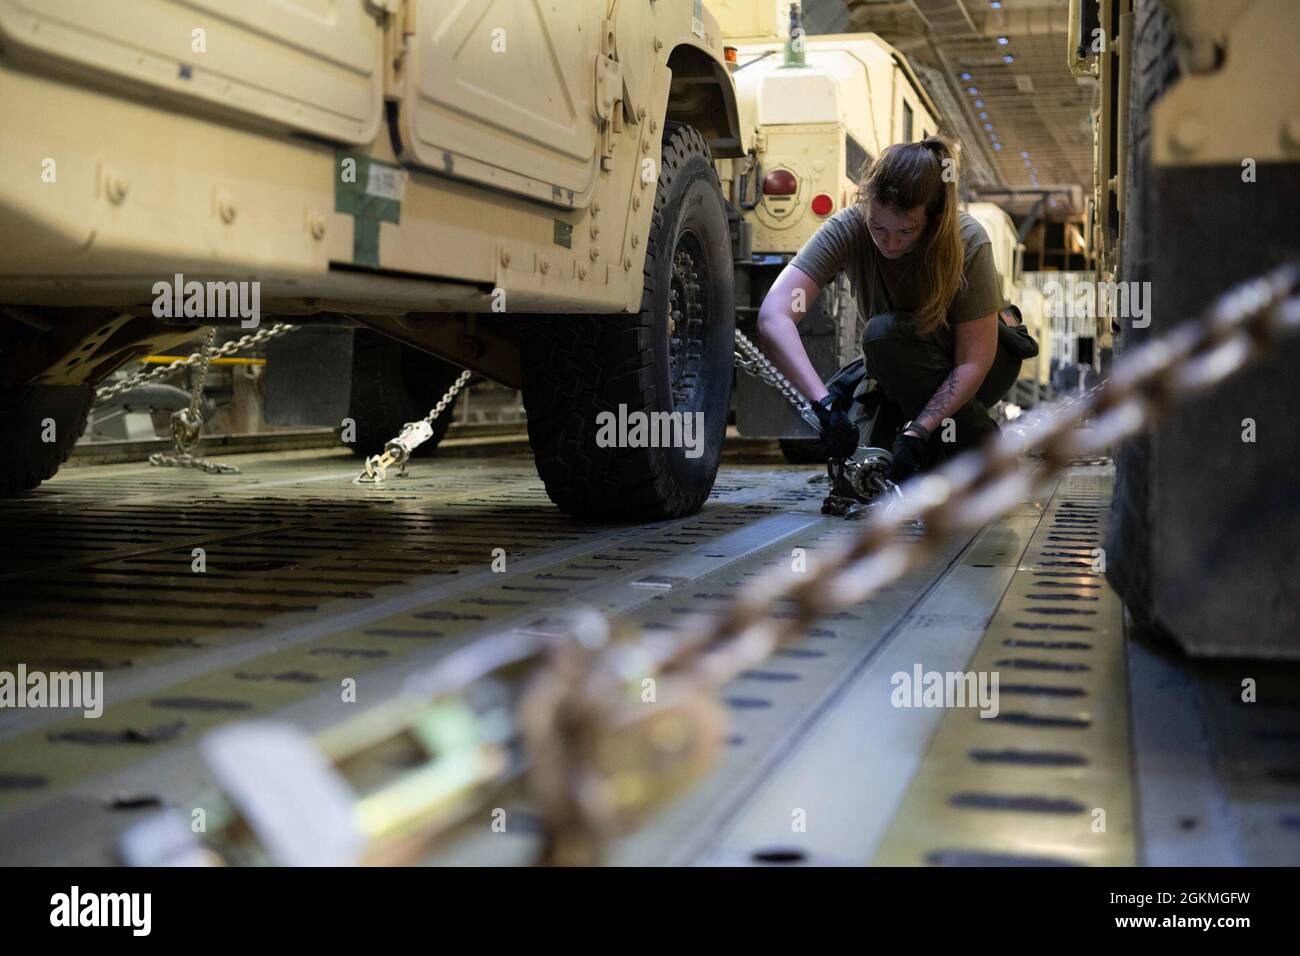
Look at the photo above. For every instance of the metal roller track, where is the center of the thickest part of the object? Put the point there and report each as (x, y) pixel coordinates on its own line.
(1046, 781)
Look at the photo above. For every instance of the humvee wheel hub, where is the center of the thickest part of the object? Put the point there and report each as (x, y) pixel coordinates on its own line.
(685, 322)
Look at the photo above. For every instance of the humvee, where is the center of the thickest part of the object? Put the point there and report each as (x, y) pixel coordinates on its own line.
(526, 190)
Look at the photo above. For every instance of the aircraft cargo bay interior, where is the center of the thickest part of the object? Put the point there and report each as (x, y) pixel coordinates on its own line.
(687, 433)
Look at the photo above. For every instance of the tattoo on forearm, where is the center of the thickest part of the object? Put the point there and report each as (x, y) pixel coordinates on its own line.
(944, 401)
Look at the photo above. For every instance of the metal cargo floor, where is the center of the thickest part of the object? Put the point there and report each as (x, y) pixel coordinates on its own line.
(1103, 751)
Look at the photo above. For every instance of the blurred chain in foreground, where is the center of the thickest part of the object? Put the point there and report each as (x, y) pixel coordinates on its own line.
(566, 716)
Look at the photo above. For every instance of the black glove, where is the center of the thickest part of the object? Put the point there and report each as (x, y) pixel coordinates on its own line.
(839, 434)
(909, 453)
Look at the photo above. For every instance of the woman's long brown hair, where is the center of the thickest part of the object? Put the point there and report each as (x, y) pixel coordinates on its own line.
(907, 175)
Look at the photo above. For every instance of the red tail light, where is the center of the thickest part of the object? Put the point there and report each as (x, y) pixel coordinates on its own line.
(823, 204)
(780, 182)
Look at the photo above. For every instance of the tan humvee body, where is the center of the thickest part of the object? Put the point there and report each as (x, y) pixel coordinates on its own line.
(393, 159)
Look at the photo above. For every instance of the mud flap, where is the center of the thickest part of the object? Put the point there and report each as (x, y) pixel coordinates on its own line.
(761, 411)
(308, 379)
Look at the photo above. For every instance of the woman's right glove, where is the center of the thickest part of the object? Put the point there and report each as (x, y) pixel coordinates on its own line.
(839, 434)
(909, 452)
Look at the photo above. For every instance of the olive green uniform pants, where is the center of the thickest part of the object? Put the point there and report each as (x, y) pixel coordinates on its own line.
(909, 369)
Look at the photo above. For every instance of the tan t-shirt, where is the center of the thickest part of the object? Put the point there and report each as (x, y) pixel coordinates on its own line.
(879, 284)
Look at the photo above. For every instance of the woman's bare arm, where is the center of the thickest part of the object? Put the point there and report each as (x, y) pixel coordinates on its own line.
(976, 346)
(789, 299)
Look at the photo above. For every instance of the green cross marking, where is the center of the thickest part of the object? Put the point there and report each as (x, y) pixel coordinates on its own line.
(367, 208)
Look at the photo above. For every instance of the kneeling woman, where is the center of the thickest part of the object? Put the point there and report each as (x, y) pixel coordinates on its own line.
(923, 274)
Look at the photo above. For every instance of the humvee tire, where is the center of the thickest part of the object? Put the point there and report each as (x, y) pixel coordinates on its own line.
(393, 384)
(1154, 69)
(575, 367)
(28, 459)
